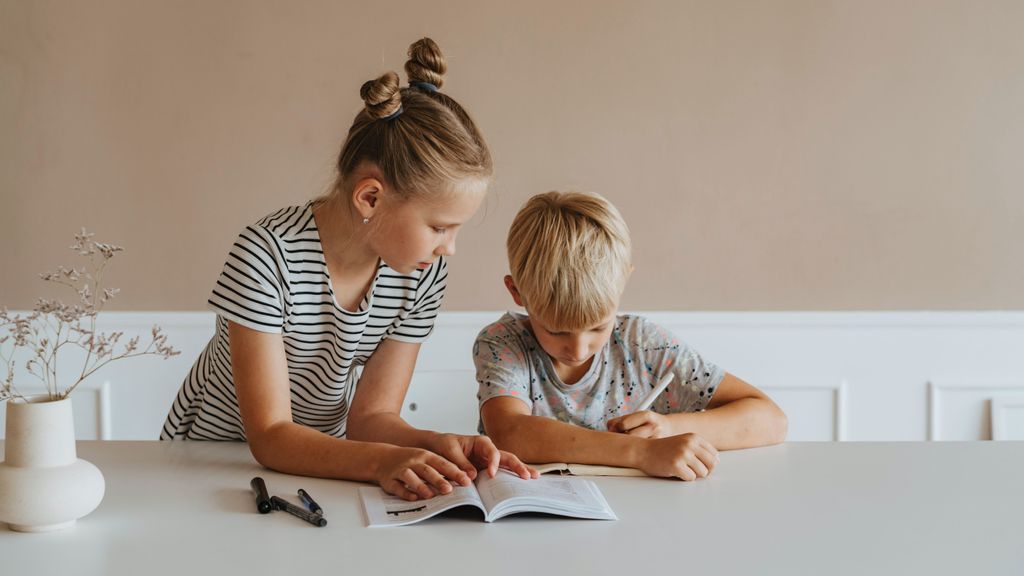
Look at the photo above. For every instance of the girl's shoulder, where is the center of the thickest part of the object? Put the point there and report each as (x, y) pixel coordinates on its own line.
(288, 221)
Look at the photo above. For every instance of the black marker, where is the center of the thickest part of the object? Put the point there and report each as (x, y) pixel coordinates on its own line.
(259, 488)
(282, 504)
(310, 503)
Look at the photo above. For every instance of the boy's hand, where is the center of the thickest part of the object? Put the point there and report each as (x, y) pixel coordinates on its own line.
(644, 424)
(478, 452)
(415, 473)
(687, 456)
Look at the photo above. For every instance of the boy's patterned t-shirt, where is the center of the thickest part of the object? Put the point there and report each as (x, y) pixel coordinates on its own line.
(510, 362)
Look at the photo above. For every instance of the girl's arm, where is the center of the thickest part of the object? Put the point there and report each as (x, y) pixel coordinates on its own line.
(375, 415)
(540, 439)
(738, 416)
(260, 373)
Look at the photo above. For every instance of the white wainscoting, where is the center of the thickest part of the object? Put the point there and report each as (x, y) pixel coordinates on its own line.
(838, 375)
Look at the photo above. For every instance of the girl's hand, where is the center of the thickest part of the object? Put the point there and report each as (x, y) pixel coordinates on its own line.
(687, 456)
(644, 424)
(478, 452)
(414, 473)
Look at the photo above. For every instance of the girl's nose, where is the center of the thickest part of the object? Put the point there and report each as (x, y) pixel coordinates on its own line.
(447, 247)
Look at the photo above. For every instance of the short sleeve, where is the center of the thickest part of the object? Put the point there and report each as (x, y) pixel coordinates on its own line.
(419, 323)
(249, 289)
(502, 367)
(694, 378)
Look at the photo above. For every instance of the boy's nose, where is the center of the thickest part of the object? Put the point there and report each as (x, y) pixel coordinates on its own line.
(578, 349)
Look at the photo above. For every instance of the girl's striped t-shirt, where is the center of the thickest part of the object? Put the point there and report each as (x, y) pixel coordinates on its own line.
(275, 280)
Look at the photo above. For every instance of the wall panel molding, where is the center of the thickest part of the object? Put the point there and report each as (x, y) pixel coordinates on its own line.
(841, 375)
(967, 406)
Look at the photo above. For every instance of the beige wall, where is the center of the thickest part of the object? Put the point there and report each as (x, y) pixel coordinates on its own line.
(778, 155)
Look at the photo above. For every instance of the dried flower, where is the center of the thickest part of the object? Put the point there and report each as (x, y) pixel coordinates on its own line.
(53, 324)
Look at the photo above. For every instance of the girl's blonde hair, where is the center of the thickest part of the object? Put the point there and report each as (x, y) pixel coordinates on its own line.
(420, 139)
(569, 253)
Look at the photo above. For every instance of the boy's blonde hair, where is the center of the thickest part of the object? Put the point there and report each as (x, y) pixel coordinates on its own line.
(569, 253)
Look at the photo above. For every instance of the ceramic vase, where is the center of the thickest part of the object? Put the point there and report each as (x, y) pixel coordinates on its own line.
(44, 486)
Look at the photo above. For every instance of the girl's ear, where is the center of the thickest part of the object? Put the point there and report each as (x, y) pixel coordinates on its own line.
(366, 197)
(511, 286)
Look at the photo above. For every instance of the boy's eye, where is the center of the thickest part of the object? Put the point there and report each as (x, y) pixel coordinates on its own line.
(438, 229)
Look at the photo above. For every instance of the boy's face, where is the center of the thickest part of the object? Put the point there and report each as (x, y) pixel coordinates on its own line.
(573, 348)
(567, 349)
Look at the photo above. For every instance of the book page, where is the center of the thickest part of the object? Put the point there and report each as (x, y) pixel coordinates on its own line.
(587, 469)
(383, 509)
(507, 493)
(551, 467)
(598, 470)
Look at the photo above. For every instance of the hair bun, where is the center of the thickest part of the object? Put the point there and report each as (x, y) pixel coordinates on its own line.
(426, 63)
(382, 96)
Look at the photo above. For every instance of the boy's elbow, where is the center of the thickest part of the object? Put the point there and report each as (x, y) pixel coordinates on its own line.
(499, 435)
(502, 432)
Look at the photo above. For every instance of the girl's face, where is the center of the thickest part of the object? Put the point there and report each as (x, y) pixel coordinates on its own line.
(412, 234)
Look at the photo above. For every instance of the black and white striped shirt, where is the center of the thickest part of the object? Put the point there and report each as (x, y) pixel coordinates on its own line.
(276, 280)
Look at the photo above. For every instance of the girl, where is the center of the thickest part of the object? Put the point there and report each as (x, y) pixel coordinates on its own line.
(351, 279)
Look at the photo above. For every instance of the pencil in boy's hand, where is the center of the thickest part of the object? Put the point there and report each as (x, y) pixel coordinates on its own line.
(645, 404)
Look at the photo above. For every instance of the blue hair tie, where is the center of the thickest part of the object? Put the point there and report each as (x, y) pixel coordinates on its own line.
(425, 86)
(394, 114)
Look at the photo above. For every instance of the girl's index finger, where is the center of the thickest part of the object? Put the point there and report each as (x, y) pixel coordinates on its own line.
(511, 462)
(488, 453)
(450, 470)
(493, 460)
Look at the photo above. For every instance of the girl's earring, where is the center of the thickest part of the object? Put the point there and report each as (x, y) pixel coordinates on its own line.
(366, 220)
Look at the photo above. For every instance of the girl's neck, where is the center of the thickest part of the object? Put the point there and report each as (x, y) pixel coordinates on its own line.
(342, 238)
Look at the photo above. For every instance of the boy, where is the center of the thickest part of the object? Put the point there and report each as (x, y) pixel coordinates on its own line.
(563, 384)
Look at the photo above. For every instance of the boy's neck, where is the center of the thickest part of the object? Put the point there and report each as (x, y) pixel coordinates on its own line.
(570, 375)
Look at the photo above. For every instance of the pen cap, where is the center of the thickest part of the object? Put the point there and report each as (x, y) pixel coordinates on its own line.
(259, 488)
(309, 502)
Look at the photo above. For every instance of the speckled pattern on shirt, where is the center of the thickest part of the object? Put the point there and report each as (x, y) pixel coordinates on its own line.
(510, 362)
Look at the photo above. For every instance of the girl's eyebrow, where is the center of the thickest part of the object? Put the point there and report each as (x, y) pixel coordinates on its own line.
(446, 224)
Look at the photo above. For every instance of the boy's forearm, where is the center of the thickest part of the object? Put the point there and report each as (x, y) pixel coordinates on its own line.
(539, 440)
(744, 423)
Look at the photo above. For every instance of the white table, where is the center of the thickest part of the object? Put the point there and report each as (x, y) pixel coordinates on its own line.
(800, 508)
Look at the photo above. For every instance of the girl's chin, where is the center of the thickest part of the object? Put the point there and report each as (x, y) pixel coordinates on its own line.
(407, 268)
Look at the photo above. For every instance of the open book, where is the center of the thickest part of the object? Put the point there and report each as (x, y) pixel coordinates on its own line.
(587, 469)
(497, 497)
